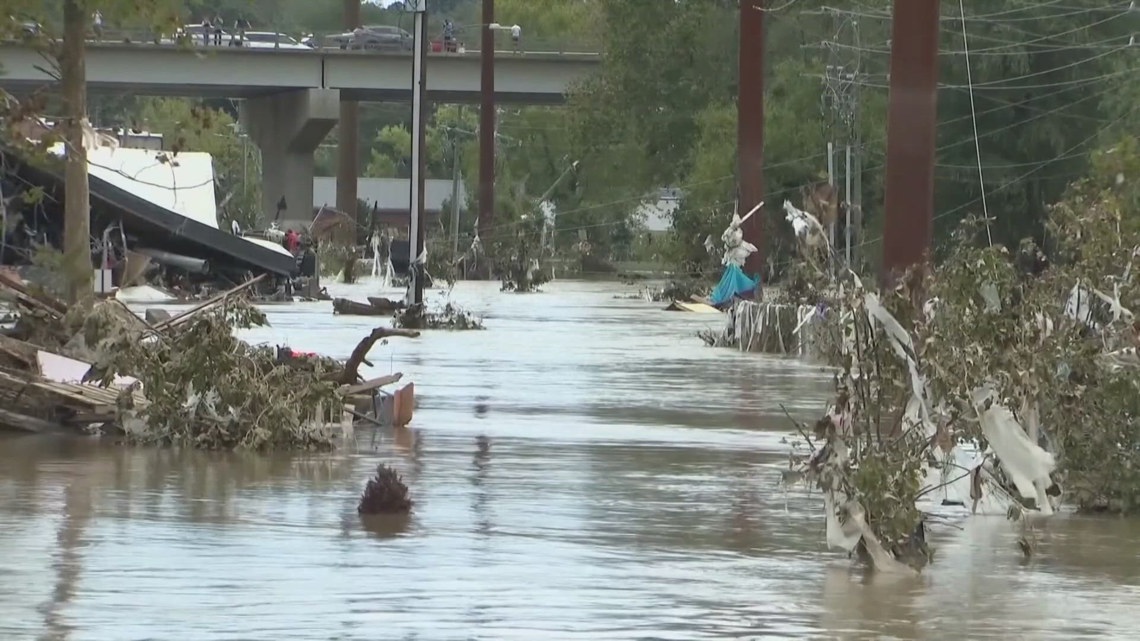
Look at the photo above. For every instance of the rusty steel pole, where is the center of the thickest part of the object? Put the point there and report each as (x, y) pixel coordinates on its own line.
(348, 130)
(911, 121)
(750, 127)
(487, 123)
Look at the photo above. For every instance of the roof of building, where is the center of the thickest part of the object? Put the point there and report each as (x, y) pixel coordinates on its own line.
(388, 193)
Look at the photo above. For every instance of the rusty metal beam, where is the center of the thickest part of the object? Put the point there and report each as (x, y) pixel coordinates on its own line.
(911, 122)
(487, 123)
(750, 127)
(348, 130)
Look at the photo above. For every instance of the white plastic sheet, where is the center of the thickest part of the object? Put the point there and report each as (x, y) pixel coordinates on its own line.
(1025, 463)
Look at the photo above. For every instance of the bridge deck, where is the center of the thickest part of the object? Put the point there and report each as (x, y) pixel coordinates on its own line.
(232, 72)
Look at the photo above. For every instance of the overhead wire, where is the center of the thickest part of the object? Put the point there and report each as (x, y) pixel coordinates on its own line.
(974, 120)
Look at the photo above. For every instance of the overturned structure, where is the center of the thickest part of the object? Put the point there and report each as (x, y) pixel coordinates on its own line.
(151, 210)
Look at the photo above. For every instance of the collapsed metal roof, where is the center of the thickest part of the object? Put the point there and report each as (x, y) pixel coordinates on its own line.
(159, 226)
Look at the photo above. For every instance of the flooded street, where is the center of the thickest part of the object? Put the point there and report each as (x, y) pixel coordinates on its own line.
(584, 469)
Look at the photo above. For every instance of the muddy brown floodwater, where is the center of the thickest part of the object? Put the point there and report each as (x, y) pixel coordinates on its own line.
(585, 469)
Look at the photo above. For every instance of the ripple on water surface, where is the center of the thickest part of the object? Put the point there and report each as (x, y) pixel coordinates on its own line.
(584, 469)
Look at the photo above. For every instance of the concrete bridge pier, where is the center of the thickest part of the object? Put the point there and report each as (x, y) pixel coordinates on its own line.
(288, 127)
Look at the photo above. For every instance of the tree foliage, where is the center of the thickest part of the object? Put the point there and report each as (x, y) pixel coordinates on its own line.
(1046, 81)
(189, 126)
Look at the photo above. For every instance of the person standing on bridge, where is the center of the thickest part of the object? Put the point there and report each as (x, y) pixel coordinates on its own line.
(218, 29)
(240, 26)
(448, 36)
(97, 21)
(207, 31)
(516, 36)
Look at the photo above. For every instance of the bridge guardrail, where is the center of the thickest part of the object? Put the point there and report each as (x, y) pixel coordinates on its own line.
(503, 41)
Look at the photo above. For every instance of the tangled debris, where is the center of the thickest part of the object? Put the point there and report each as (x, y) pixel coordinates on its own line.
(376, 306)
(518, 254)
(186, 381)
(998, 384)
(688, 289)
(523, 278)
(385, 493)
(450, 316)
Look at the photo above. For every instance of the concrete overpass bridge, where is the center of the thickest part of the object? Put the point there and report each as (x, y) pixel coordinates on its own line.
(292, 97)
(237, 72)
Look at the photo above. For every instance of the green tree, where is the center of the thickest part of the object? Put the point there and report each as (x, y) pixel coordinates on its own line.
(186, 125)
(1039, 76)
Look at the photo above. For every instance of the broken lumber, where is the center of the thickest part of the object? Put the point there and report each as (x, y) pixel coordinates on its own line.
(28, 298)
(368, 386)
(19, 352)
(25, 423)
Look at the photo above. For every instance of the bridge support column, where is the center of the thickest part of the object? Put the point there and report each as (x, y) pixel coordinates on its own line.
(288, 127)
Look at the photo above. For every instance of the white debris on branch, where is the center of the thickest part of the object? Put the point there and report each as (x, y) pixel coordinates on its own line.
(735, 250)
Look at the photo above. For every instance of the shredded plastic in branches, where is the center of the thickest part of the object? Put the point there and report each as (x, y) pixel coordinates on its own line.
(1016, 351)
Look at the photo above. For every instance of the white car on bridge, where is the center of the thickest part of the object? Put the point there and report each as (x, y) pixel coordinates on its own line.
(251, 39)
(271, 40)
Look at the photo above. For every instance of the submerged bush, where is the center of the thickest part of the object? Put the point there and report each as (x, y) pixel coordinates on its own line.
(385, 493)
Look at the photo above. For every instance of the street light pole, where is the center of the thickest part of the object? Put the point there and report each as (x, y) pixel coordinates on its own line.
(487, 121)
(419, 86)
(348, 132)
(455, 176)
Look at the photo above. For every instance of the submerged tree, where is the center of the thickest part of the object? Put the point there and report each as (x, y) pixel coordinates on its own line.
(1003, 380)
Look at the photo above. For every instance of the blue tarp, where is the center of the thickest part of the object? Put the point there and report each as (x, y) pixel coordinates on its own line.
(733, 284)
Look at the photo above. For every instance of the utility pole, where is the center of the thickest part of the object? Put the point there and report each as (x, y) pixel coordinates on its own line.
(841, 109)
(911, 121)
(419, 129)
(348, 130)
(77, 195)
(455, 178)
(487, 123)
(750, 127)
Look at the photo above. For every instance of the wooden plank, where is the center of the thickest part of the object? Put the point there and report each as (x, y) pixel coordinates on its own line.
(368, 386)
(25, 423)
(19, 351)
(78, 389)
(87, 396)
(13, 282)
(403, 403)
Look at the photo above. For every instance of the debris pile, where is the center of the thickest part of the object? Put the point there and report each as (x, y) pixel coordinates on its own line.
(385, 493)
(187, 380)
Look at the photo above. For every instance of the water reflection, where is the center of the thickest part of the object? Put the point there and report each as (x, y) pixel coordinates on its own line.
(624, 487)
(481, 463)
